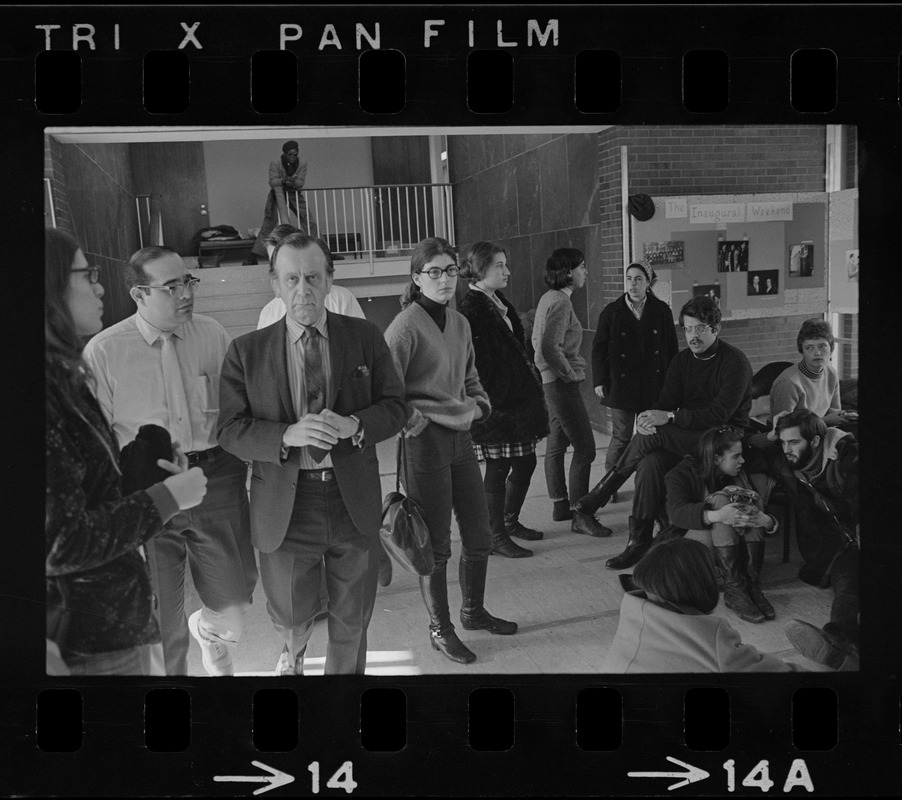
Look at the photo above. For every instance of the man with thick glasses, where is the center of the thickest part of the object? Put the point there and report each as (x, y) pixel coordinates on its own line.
(161, 366)
(707, 385)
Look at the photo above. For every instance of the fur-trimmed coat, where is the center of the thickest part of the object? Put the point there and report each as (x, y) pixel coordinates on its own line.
(506, 373)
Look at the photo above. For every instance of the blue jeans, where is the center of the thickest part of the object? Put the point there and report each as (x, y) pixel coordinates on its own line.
(443, 476)
(569, 426)
(131, 661)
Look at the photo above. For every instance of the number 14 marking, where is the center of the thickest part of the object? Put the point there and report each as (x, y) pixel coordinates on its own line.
(759, 776)
(342, 778)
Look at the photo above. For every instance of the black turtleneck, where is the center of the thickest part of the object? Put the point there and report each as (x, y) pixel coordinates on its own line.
(438, 311)
(709, 353)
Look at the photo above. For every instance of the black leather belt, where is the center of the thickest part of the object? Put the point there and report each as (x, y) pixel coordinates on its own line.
(321, 475)
(198, 456)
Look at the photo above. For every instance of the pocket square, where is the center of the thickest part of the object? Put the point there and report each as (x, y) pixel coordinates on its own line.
(362, 371)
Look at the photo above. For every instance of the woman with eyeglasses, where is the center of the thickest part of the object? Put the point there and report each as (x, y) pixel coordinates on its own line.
(557, 337)
(432, 347)
(99, 596)
(506, 439)
(635, 340)
(703, 494)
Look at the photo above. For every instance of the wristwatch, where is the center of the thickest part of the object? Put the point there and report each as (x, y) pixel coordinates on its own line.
(670, 416)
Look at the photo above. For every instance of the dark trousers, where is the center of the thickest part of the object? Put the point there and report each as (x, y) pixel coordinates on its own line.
(271, 218)
(444, 476)
(651, 457)
(844, 580)
(622, 423)
(214, 540)
(570, 425)
(519, 468)
(321, 531)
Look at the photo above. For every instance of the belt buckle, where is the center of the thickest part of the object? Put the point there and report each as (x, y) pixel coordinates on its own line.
(325, 475)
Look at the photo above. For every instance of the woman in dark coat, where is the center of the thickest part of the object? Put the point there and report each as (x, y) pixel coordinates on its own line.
(634, 342)
(506, 439)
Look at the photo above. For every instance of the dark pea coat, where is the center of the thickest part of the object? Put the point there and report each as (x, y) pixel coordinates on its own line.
(630, 356)
(506, 372)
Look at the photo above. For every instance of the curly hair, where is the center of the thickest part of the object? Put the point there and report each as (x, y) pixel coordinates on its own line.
(702, 308)
(679, 571)
(559, 266)
(815, 329)
(423, 253)
(808, 423)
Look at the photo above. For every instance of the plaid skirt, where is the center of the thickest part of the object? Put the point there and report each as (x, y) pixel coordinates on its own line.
(485, 452)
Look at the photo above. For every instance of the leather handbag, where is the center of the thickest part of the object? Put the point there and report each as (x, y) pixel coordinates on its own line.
(404, 533)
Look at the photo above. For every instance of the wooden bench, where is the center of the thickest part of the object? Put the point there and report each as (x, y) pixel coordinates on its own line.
(218, 249)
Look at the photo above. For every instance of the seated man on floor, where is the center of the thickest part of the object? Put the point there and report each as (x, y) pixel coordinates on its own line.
(818, 467)
(812, 383)
(707, 386)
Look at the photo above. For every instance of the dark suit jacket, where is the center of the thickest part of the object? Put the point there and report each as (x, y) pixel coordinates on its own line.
(256, 408)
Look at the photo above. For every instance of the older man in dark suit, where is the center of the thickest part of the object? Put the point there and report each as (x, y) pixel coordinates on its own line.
(307, 399)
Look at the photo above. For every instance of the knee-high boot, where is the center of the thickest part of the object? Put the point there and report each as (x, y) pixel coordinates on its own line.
(641, 537)
(514, 496)
(434, 588)
(473, 615)
(502, 544)
(754, 552)
(601, 494)
(735, 591)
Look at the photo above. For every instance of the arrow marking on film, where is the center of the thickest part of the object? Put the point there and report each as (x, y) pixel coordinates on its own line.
(275, 779)
(694, 774)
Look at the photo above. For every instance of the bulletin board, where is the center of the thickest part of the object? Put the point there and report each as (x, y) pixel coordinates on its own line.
(843, 254)
(759, 255)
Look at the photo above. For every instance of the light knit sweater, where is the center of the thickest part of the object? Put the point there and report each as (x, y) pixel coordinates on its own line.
(557, 336)
(793, 389)
(438, 367)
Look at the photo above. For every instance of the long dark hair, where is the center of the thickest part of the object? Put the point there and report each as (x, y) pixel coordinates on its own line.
(679, 571)
(64, 367)
(424, 252)
(715, 442)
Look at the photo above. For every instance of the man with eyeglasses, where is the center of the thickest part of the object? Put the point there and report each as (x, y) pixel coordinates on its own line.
(707, 385)
(161, 366)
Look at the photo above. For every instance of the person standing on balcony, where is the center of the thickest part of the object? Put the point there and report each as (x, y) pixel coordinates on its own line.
(162, 366)
(506, 439)
(286, 179)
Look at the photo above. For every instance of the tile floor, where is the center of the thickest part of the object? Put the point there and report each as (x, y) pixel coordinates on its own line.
(565, 601)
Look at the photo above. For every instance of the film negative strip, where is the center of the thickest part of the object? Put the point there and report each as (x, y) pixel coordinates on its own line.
(708, 140)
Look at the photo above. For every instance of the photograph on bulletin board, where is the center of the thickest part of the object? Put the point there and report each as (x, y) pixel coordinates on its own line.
(711, 290)
(801, 260)
(733, 256)
(852, 264)
(763, 281)
(664, 254)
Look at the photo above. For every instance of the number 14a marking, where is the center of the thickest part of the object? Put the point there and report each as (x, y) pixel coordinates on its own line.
(759, 776)
(342, 778)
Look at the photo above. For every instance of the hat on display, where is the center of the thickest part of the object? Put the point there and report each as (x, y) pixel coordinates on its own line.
(642, 207)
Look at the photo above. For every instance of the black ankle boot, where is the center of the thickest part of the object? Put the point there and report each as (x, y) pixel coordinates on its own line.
(434, 589)
(587, 524)
(473, 615)
(735, 589)
(513, 501)
(501, 542)
(601, 494)
(561, 511)
(640, 539)
(754, 560)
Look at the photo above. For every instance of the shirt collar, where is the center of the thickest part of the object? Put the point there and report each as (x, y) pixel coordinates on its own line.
(296, 330)
(635, 303)
(151, 333)
(567, 290)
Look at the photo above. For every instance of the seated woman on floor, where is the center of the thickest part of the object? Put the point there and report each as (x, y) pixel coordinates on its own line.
(666, 624)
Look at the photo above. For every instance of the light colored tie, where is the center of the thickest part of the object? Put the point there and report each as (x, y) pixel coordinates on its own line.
(176, 399)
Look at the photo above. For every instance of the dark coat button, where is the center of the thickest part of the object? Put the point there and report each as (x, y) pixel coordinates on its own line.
(654, 330)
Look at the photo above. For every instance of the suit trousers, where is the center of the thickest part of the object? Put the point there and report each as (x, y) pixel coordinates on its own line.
(321, 531)
(444, 476)
(569, 422)
(844, 581)
(214, 540)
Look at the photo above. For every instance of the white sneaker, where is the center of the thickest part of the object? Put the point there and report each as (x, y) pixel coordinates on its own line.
(217, 659)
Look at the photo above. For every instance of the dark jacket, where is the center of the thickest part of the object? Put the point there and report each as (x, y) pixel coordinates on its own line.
(93, 533)
(630, 356)
(506, 373)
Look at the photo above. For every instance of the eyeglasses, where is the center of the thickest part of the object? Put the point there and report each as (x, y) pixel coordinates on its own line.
(93, 273)
(695, 328)
(435, 273)
(176, 289)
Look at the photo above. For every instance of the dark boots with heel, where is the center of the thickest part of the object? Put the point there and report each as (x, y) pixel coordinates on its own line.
(502, 544)
(588, 525)
(640, 539)
(473, 615)
(434, 588)
(514, 496)
(602, 493)
(730, 558)
(754, 552)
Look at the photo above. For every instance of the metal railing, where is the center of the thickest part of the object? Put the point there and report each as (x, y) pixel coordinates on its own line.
(48, 202)
(370, 222)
